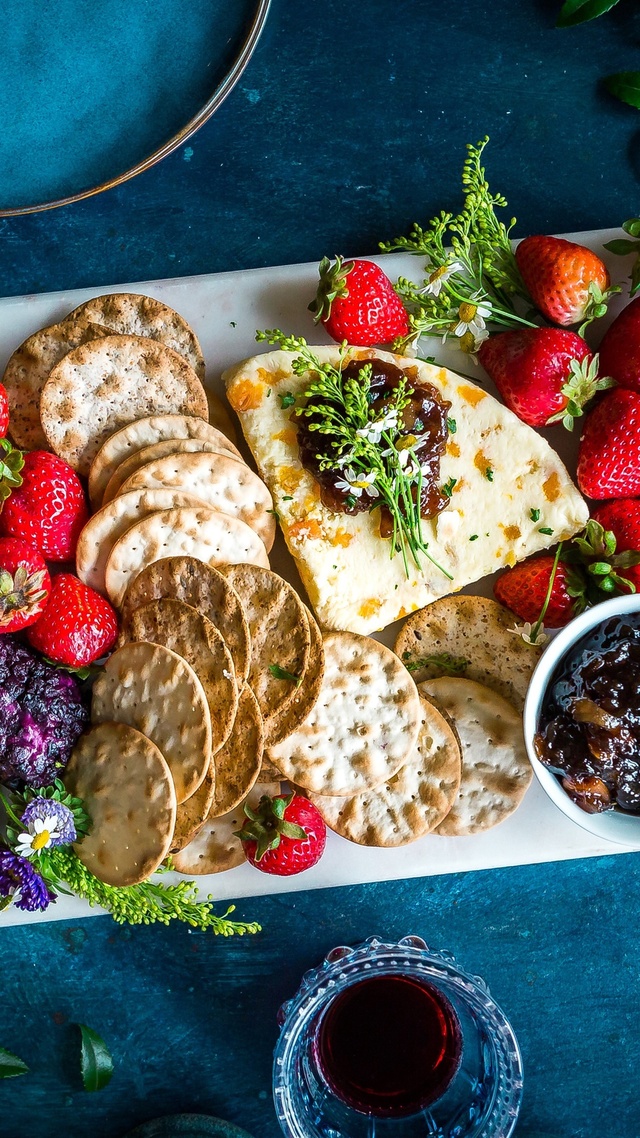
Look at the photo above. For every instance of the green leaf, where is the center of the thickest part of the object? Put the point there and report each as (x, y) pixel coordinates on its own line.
(579, 11)
(10, 1065)
(632, 227)
(286, 400)
(279, 673)
(625, 85)
(96, 1064)
(621, 247)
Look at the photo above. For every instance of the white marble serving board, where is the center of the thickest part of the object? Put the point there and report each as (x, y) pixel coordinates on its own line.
(225, 310)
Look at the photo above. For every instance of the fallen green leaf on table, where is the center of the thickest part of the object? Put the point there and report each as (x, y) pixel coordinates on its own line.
(11, 1065)
(579, 11)
(625, 85)
(96, 1064)
(622, 247)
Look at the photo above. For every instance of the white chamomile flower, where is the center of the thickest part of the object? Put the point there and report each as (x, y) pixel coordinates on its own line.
(470, 342)
(472, 315)
(440, 276)
(373, 431)
(39, 836)
(524, 631)
(358, 484)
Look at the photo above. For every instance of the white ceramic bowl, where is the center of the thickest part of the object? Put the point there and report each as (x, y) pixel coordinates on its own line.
(613, 825)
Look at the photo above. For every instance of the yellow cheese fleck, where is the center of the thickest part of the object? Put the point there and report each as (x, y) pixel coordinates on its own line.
(289, 436)
(481, 462)
(472, 395)
(341, 537)
(369, 608)
(512, 533)
(306, 528)
(453, 449)
(551, 488)
(510, 559)
(246, 395)
(290, 478)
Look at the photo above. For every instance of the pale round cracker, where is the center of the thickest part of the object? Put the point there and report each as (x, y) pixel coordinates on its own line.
(475, 632)
(28, 370)
(101, 386)
(184, 630)
(495, 769)
(151, 453)
(154, 690)
(216, 848)
(202, 586)
(126, 786)
(147, 432)
(130, 314)
(192, 814)
(286, 720)
(362, 728)
(279, 631)
(208, 535)
(101, 532)
(238, 763)
(413, 802)
(222, 481)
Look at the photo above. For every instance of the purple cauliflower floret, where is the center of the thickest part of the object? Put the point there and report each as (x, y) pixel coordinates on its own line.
(41, 716)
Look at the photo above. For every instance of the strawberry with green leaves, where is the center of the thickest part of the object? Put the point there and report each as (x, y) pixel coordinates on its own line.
(622, 518)
(46, 504)
(25, 584)
(357, 302)
(283, 835)
(568, 283)
(77, 627)
(544, 375)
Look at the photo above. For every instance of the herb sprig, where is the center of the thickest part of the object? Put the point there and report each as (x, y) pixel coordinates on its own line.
(472, 283)
(363, 445)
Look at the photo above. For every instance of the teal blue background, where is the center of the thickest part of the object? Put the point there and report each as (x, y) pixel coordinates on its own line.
(349, 124)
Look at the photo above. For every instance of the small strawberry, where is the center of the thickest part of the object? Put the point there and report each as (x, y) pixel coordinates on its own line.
(609, 452)
(25, 584)
(4, 411)
(77, 626)
(524, 588)
(357, 302)
(568, 283)
(620, 347)
(49, 508)
(284, 835)
(544, 375)
(622, 518)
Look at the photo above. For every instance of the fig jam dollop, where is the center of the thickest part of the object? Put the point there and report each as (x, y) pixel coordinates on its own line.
(589, 729)
(424, 419)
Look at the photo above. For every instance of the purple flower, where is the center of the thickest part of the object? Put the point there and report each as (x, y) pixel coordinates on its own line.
(19, 880)
(57, 819)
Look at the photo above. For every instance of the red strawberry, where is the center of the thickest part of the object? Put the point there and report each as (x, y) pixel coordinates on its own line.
(523, 589)
(567, 282)
(357, 302)
(4, 411)
(609, 453)
(77, 626)
(49, 509)
(543, 374)
(620, 347)
(25, 584)
(284, 835)
(622, 517)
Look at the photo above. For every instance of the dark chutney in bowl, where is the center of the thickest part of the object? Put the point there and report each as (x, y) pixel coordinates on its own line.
(589, 727)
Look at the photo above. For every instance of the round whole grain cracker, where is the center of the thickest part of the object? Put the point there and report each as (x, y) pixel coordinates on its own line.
(208, 535)
(411, 803)
(222, 481)
(28, 370)
(238, 763)
(130, 314)
(151, 453)
(363, 727)
(284, 721)
(192, 814)
(201, 586)
(495, 769)
(127, 788)
(216, 848)
(184, 630)
(279, 632)
(101, 532)
(471, 635)
(102, 385)
(147, 432)
(154, 690)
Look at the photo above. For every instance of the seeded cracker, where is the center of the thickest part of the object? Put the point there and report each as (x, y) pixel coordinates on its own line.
(192, 814)
(149, 432)
(282, 723)
(495, 769)
(413, 802)
(363, 727)
(155, 691)
(128, 792)
(216, 847)
(101, 386)
(201, 586)
(239, 762)
(208, 535)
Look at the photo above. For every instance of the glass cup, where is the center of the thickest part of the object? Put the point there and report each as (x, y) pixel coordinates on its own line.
(479, 1093)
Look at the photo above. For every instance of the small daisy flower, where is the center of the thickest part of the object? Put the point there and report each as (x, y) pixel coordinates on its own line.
(524, 631)
(440, 276)
(373, 431)
(48, 823)
(358, 484)
(471, 317)
(470, 342)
